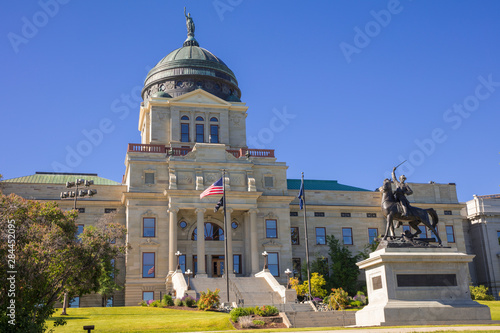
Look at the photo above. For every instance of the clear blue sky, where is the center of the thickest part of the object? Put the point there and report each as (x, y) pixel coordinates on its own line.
(369, 83)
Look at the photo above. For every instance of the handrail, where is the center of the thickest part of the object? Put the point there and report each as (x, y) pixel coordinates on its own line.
(181, 151)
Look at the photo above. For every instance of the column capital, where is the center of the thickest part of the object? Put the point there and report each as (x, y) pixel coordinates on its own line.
(173, 209)
(229, 210)
(200, 210)
(253, 211)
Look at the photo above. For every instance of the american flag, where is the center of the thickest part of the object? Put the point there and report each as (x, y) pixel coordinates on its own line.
(215, 188)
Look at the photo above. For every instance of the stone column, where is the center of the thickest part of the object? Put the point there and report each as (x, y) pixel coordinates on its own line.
(200, 242)
(229, 234)
(172, 239)
(253, 241)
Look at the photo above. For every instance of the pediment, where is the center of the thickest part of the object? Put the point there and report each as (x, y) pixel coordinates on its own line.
(200, 96)
(272, 244)
(149, 242)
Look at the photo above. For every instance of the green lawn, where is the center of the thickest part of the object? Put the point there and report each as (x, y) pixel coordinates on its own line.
(149, 319)
(141, 319)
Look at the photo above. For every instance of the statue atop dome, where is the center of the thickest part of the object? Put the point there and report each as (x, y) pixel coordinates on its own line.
(189, 23)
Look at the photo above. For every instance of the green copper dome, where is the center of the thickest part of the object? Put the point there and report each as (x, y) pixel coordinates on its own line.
(189, 68)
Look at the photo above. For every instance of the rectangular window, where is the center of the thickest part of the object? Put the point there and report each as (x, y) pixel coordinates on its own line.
(81, 210)
(345, 214)
(297, 268)
(237, 263)
(148, 227)
(74, 302)
(148, 264)
(148, 295)
(200, 133)
(320, 236)
(271, 229)
(109, 210)
(149, 178)
(347, 236)
(182, 263)
(184, 132)
(79, 231)
(195, 265)
(112, 274)
(214, 133)
(371, 215)
(319, 214)
(450, 235)
(432, 233)
(372, 235)
(423, 230)
(295, 235)
(273, 263)
(294, 213)
(447, 212)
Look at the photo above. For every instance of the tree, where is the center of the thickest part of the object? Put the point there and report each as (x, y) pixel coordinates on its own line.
(343, 266)
(48, 259)
(317, 283)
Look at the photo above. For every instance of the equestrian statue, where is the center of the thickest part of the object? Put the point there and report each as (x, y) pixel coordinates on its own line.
(395, 206)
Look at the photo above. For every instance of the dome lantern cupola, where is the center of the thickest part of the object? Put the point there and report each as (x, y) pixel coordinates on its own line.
(189, 68)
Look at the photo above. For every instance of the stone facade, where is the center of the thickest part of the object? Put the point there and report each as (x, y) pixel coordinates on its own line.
(186, 142)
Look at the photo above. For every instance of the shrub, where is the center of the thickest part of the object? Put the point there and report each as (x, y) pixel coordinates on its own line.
(238, 312)
(266, 310)
(188, 301)
(480, 293)
(360, 296)
(209, 300)
(356, 304)
(246, 321)
(258, 323)
(156, 304)
(167, 300)
(178, 302)
(338, 299)
(143, 303)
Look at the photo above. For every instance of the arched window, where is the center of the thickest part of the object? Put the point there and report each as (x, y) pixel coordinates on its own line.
(212, 232)
(214, 133)
(184, 129)
(199, 119)
(214, 119)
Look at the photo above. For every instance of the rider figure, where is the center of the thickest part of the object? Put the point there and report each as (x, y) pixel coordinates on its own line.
(402, 190)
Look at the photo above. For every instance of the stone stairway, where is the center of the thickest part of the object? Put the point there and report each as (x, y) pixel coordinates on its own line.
(253, 290)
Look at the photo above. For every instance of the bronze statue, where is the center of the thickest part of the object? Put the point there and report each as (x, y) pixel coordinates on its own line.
(414, 215)
(189, 23)
(402, 190)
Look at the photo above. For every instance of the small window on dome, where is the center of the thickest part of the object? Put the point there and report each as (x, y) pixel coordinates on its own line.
(199, 119)
(184, 118)
(214, 119)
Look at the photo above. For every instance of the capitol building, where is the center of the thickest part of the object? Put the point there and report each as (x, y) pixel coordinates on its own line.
(192, 125)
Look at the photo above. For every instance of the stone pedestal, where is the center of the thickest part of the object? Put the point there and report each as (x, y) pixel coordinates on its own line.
(409, 286)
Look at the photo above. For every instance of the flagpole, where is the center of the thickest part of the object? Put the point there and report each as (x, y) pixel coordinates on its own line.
(226, 259)
(305, 234)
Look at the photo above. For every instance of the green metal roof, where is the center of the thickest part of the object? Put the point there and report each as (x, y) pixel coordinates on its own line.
(60, 178)
(321, 185)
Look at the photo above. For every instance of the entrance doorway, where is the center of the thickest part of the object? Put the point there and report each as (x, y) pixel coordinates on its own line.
(217, 266)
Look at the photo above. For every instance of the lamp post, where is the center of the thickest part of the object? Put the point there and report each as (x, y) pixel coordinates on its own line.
(288, 272)
(188, 273)
(265, 254)
(70, 195)
(178, 254)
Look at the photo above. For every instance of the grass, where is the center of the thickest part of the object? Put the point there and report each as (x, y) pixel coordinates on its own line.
(149, 319)
(141, 319)
(494, 308)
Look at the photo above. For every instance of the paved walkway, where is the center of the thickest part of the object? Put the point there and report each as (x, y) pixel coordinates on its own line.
(495, 328)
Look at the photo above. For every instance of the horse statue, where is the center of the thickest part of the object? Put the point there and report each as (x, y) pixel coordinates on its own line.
(415, 215)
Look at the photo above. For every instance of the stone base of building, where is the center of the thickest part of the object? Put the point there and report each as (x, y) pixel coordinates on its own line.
(408, 286)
